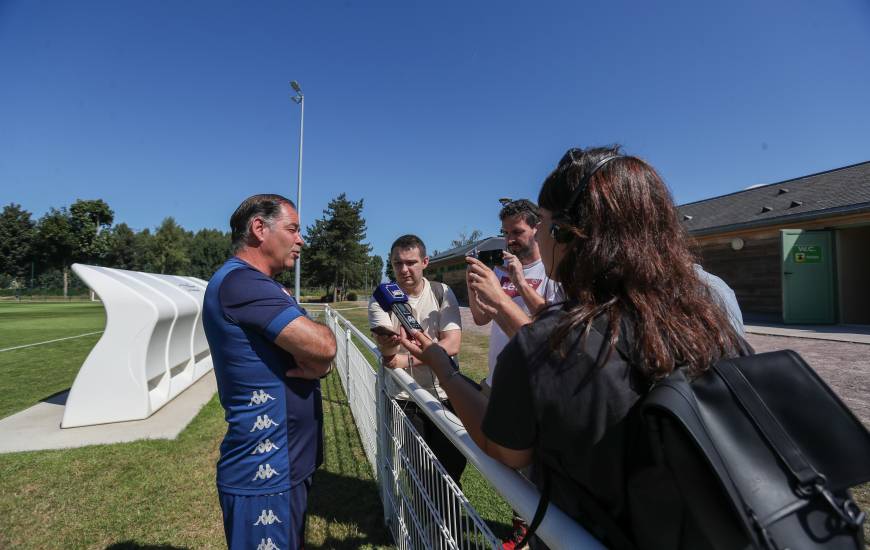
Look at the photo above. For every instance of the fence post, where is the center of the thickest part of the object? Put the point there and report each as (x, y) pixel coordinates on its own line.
(347, 344)
(381, 419)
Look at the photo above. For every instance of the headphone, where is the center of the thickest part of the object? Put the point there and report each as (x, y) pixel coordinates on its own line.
(560, 233)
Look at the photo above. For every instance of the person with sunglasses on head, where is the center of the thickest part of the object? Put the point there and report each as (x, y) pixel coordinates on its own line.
(522, 279)
(634, 309)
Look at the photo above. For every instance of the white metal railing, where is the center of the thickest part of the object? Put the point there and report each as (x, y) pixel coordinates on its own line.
(423, 506)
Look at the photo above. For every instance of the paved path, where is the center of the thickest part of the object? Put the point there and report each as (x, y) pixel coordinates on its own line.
(38, 427)
(859, 334)
(844, 366)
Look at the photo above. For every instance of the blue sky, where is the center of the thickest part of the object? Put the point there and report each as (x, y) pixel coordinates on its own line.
(429, 111)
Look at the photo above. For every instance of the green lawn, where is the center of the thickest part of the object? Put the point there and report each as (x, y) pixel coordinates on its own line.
(31, 322)
(34, 373)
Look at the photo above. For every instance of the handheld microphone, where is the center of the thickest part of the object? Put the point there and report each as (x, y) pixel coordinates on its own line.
(391, 299)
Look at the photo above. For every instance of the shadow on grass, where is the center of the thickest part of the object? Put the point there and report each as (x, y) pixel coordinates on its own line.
(130, 545)
(351, 501)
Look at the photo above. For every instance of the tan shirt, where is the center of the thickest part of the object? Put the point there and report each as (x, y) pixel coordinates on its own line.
(433, 319)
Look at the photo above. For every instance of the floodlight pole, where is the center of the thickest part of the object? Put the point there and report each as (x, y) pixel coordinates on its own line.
(299, 98)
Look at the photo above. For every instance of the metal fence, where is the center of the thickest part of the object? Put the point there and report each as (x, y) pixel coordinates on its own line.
(423, 507)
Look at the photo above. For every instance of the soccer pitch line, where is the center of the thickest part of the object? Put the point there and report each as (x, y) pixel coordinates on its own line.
(50, 341)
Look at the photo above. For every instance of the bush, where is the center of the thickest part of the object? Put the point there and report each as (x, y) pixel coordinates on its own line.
(351, 297)
(326, 298)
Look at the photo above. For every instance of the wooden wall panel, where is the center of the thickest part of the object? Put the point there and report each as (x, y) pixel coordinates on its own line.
(753, 272)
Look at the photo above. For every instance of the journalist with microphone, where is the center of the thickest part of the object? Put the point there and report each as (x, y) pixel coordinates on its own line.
(434, 305)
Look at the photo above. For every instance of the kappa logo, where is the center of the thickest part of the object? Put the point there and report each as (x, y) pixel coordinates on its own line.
(267, 544)
(264, 446)
(264, 422)
(265, 472)
(258, 398)
(267, 518)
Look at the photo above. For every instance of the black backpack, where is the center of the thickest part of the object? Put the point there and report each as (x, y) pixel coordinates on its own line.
(758, 452)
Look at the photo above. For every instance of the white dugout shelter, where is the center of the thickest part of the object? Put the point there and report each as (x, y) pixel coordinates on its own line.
(153, 347)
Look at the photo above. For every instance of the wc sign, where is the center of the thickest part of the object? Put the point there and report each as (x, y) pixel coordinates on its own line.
(807, 254)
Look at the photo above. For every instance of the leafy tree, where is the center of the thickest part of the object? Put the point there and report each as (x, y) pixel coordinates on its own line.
(168, 248)
(56, 242)
(16, 240)
(389, 273)
(72, 235)
(335, 255)
(207, 250)
(88, 218)
(466, 238)
(121, 249)
(374, 271)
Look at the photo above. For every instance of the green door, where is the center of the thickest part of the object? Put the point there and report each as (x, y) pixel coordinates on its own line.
(807, 276)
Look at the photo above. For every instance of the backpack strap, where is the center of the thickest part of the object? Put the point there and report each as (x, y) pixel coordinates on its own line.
(540, 511)
(438, 291)
(809, 479)
(598, 519)
(767, 424)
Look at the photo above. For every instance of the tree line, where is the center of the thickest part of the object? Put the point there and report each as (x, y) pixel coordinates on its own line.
(36, 254)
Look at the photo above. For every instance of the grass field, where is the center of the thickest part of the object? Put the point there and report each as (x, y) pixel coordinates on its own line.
(34, 373)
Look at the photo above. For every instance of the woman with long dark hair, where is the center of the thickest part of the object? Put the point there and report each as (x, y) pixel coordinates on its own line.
(635, 309)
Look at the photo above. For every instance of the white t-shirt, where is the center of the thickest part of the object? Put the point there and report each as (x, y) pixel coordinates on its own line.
(433, 319)
(536, 277)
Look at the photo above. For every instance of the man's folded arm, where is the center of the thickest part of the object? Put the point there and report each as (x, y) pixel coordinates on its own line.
(308, 341)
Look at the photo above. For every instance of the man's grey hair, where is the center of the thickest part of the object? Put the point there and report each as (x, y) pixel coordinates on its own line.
(267, 207)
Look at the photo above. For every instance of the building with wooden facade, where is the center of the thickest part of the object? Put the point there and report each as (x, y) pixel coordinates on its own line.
(796, 250)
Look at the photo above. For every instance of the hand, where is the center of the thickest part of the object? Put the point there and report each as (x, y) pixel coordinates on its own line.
(487, 310)
(391, 361)
(514, 268)
(483, 282)
(422, 347)
(309, 370)
(386, 340)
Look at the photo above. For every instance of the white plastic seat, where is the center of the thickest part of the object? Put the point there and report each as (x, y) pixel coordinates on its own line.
(152, 349)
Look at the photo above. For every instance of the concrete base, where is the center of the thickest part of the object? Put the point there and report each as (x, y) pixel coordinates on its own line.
(38, 428)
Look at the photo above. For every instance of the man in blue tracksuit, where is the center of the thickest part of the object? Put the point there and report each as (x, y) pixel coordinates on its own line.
(268, 359)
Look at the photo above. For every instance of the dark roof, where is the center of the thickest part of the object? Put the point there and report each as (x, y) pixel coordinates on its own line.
(483, 245)
(839, 191)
